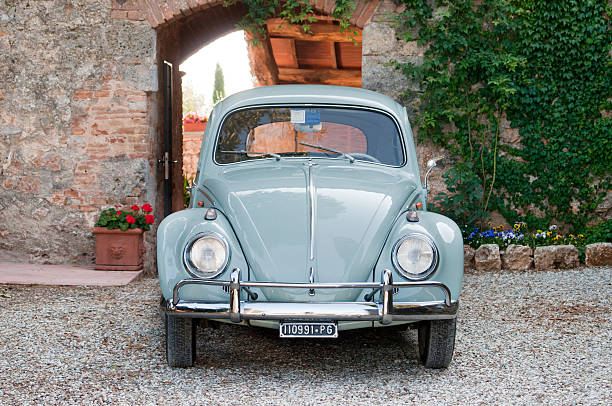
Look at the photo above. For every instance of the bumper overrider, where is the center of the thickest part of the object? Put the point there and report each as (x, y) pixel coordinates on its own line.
(384, 312)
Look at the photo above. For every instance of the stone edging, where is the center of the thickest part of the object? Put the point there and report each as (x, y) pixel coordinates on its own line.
(488, 257)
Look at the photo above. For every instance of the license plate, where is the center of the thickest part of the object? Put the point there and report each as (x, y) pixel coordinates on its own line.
(297, 329)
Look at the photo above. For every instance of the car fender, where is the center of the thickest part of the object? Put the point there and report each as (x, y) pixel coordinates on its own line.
(174, 233)
(449, 241)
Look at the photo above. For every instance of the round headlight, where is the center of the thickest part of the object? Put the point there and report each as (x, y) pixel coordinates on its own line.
(206, 255)
(415, 256)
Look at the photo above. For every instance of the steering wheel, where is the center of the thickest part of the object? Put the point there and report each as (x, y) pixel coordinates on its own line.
(364, 157)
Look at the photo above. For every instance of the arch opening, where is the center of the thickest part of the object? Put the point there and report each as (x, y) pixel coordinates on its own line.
(286, 56)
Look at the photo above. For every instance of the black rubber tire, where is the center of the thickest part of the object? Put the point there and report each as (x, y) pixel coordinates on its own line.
(162, 313)
(437, 342)
(180, 341)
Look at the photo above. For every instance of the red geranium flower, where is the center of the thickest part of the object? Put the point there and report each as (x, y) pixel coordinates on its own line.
(130, 219)
(119, 213)
(149, 219)
(147, 208)
(135, 208)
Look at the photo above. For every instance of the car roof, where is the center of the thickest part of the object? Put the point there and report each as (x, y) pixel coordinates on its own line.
(316, 94)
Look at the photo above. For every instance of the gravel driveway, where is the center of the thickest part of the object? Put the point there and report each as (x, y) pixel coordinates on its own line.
(539, 337)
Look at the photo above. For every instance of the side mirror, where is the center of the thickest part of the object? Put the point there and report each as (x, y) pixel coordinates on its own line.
(432, 163)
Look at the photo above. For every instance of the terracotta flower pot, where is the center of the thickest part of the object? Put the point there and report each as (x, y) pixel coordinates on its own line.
(118, 250)
(194, 127)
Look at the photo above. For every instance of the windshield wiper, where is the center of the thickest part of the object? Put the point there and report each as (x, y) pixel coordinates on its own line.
(340, 153)
(272, 154)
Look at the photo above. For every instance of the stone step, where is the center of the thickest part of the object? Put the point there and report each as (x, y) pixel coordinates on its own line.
(63, 275)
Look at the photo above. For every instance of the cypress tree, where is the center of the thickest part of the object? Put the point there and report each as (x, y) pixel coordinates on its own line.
(219, 89)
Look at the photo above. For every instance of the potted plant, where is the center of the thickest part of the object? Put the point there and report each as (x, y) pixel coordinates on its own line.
(192, 122)
(119, 245)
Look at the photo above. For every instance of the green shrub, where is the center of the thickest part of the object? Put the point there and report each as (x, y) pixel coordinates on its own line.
(186, 193)
(541, 67)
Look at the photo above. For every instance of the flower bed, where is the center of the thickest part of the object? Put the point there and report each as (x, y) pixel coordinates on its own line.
(517, 248)
(489, 257)
(518, 234)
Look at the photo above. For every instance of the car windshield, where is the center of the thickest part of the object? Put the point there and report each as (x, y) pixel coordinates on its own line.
(280, 132)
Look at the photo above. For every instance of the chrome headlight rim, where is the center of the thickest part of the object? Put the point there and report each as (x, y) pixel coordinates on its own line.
(193, 270)
(432, 267)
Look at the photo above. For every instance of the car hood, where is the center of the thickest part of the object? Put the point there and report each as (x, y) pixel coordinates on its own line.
(354, 208)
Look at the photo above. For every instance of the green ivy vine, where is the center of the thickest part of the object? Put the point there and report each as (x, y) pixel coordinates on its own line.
(296, 12)
(541, 68)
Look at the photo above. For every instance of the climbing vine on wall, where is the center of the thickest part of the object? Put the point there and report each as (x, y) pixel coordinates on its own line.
(296, 12)
(542, 68)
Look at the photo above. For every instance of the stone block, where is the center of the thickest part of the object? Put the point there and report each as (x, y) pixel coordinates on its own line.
(604, 209)
(487, 258)
(378, 39)
(556, 257)
(119, 14)
(468, 257)
(127, 5)
(377, 75)
(386, 9)
(599, 254)
(517, 258)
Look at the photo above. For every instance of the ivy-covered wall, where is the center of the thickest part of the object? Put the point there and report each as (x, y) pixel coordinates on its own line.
(544, 69)
(518, 92)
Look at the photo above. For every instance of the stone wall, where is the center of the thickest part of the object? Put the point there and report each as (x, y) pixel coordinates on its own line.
(192, 143)
(75, 127)
(381, 45)
(81, 111)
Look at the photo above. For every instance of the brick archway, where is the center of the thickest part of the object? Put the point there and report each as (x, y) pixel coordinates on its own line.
(179, 36)
(192, 20)
(163, 12)
(185, 26)
(196, 22)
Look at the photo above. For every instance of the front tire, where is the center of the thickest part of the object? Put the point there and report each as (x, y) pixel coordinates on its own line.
(437, 342)
(180, 341)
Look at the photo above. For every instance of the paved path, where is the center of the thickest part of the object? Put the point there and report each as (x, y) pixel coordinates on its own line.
(63, 275)
(523, 338)
(14, 271)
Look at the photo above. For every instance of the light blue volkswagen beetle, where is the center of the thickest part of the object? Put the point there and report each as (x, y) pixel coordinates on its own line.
(307, 215)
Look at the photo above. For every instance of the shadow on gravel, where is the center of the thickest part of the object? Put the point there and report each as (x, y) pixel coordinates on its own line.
(364, 351)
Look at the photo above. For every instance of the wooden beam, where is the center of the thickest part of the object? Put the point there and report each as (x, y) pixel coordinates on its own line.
(261, 59)
(320, 32)
(284, 52)
(334, 59)
(321, 17)
(321, 76)
(293, 54)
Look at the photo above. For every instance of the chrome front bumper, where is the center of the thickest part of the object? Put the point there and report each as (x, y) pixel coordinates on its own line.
(385, 312)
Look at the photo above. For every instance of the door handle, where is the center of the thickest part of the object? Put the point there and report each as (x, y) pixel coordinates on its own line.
(166, 161)
(192, 187)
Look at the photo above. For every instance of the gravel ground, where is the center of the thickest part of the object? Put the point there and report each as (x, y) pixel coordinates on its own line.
(523, 338)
